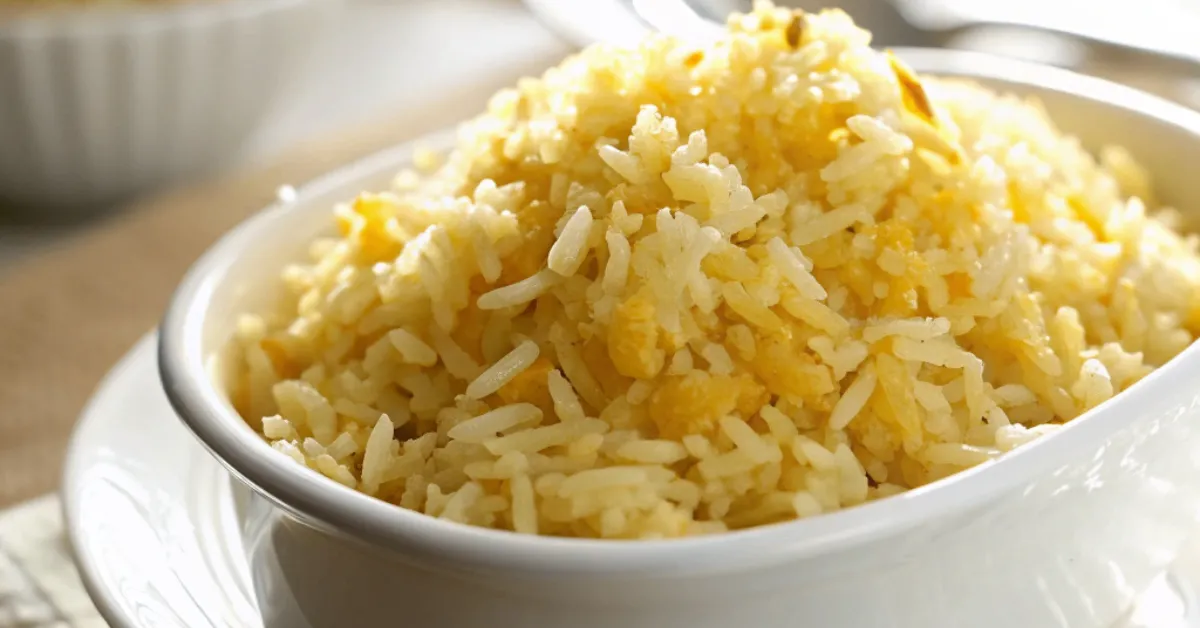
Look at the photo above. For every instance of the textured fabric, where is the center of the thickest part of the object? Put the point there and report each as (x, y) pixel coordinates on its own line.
(38, 582)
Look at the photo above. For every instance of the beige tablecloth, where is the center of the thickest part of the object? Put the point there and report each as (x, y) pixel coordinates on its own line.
(38, 584)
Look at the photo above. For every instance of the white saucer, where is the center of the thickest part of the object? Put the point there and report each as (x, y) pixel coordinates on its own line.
(149, 513)
(151, 518)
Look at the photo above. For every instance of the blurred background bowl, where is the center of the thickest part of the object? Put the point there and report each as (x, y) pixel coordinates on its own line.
(100, 103)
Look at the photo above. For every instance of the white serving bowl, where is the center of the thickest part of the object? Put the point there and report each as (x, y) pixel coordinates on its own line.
(1063, 532)
(100, 103)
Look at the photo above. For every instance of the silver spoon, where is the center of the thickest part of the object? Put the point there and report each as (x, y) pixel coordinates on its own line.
(1161, 58)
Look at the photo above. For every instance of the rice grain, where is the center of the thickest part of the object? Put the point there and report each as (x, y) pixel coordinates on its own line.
(664, 291)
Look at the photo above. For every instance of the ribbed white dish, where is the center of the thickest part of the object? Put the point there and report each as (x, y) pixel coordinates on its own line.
(97, 105)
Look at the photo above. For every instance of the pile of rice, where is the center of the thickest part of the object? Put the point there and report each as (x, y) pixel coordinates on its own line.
(676, 290)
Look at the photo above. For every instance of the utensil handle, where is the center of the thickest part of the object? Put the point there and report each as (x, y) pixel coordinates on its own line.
(1107, 51)
(1169, 73)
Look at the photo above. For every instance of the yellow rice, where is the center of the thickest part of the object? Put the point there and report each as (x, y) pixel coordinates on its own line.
(676, 290)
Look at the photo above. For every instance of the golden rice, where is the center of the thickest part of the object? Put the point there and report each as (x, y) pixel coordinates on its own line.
(673, 290)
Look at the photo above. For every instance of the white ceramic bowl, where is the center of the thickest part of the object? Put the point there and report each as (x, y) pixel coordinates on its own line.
(1063, 532)
(101, 103)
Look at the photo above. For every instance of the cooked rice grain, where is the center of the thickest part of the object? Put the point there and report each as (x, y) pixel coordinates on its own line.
(647, 298)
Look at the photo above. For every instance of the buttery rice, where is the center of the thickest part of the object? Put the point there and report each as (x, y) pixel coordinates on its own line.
(673, 291)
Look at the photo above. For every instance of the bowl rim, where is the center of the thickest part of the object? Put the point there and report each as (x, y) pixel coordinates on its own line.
(141, 18)
(334, 508)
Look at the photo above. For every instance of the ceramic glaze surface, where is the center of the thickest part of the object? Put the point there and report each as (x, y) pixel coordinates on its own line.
(157, 525)
(150, 515)
(1064, 532)
(1073, 549)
